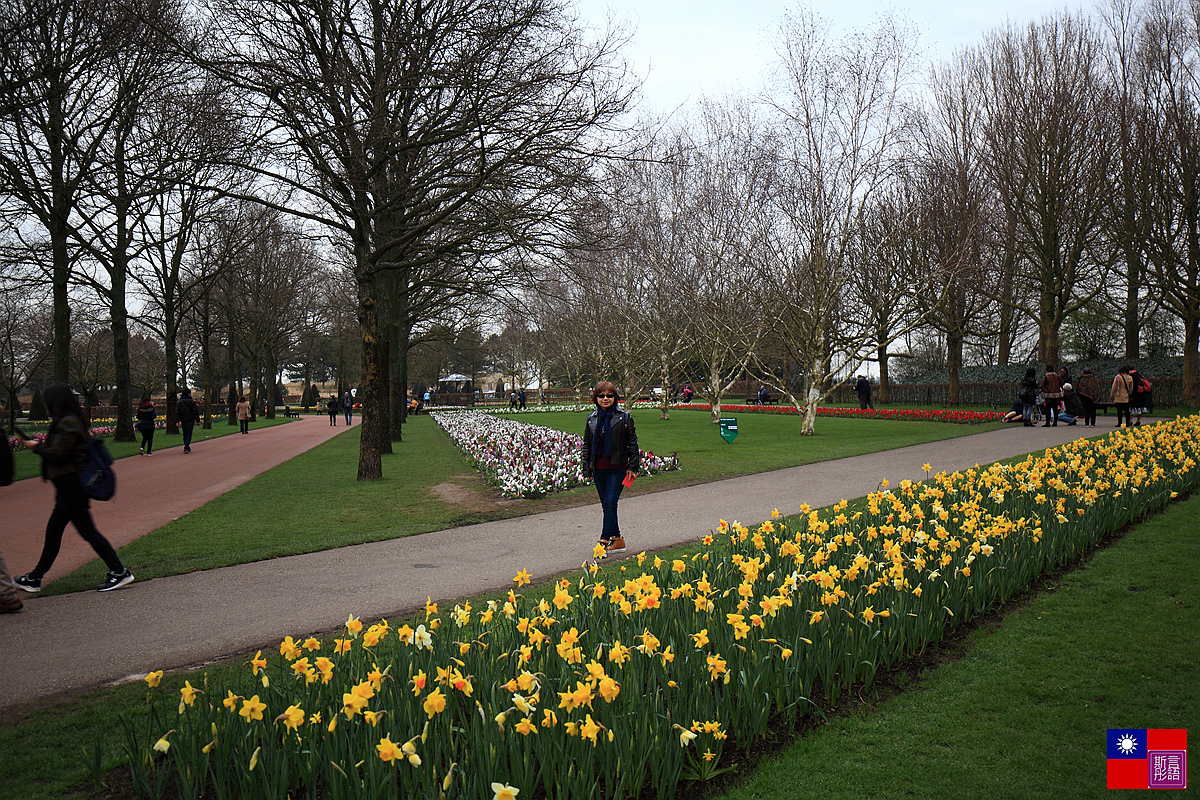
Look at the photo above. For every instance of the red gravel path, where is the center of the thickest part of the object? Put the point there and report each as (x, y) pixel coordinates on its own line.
(153, 490)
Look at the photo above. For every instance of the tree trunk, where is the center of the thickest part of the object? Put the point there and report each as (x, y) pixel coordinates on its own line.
(885, 385)
(373, 436)
(954, 351)
(1133, 290)
(1047, 331)
(664, 411)
(1191, 341)
(816, 376)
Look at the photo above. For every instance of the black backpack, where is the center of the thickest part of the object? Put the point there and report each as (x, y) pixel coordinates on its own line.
(97, 477)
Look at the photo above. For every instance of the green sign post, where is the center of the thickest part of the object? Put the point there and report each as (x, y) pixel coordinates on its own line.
(728, 428)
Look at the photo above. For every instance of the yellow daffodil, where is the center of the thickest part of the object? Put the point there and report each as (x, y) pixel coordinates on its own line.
(292, 717)
(188, 694)
(388, 750)
(435, 703)
(252, 709)
(154, 678)
(502, 791)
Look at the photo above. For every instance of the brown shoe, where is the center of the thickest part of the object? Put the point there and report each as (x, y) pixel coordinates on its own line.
(617, 545)
(11, 606)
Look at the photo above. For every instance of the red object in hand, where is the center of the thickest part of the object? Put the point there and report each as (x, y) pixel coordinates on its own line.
(629, 476)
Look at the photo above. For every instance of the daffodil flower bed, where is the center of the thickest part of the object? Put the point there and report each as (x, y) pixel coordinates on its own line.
(526, 460)
(642, 674)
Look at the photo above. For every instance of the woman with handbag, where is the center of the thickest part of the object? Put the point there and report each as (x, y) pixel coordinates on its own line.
(1051, 389)
(610, 457)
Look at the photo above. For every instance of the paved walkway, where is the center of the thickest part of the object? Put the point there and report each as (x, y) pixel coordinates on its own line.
(86, 639)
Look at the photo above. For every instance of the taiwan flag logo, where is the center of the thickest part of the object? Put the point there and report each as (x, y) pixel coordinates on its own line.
(1147, 758)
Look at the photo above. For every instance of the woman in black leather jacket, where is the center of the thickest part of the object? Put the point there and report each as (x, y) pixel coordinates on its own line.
(610, 453)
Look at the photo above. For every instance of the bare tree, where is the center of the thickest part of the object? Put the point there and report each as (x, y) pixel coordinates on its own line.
(56, 104)
(841, 137)
(953, 214)
(650, 202)
(1170, 44)
(24, 344)
(436, 132)
(1048, 115)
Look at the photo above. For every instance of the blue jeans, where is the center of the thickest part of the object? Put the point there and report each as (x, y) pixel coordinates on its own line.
(187, 434)
(609, 486)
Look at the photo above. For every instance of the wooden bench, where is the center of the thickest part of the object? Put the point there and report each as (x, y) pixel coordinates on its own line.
(770, 401)
(288, 411)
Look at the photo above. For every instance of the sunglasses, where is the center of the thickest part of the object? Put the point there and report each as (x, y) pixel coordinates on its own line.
(611, 396)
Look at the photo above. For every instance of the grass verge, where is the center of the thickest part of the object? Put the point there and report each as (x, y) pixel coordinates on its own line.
(1022, 712)
(1015, 709)
(313, 503)
(28, 465)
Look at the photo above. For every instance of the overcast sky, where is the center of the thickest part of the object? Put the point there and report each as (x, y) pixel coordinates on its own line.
(687, 49)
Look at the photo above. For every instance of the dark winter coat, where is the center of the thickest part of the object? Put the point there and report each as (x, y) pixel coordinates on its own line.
(65, 448)
(624, 442)
(186, 411)
(145, 417)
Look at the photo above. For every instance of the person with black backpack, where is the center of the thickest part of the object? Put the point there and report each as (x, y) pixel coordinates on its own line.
(65, 451)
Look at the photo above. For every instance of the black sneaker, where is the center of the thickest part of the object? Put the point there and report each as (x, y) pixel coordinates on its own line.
(116, 580)
(31, 585)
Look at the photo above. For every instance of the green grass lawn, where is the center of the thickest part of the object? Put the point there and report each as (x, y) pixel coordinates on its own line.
(765, 441)
(1023, 713)
(1017, 709)
(27, 465)
(313, 502)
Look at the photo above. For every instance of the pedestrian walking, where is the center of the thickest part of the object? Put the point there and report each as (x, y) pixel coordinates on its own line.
(348, 407)
(1051, 389)
(146, 414)
(521, 400)
(243, 414)
(64, 452)
(1089, 394)
(863, 389)
(332, 408)
(187, 414)
(1120, 394)
(610, 457)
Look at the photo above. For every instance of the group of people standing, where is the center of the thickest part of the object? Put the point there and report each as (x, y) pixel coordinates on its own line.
(1061, 401)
